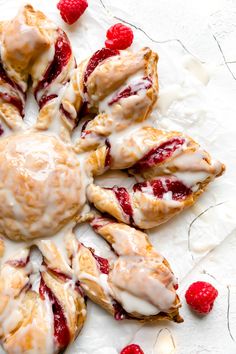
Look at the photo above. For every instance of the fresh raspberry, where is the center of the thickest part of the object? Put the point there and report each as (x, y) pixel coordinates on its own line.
(201, 296)
(132, 349)
(71, 10)
(119, 36)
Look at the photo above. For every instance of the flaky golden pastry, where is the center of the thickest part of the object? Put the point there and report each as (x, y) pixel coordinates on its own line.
(122, 88)
(40, 311)
(175, 170)
(33, 47)
(40, 185)
(138, 284)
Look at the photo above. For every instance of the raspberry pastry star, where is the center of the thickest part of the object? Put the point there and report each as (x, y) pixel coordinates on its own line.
(46, 181)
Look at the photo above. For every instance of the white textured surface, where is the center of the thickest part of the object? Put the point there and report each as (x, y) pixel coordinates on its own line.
(208, 113)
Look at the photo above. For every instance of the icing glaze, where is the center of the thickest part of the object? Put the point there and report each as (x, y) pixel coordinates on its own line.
(49, 169)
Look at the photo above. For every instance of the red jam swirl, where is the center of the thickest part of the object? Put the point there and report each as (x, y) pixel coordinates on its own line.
(45, 99)
(15, 100)
(4, 76)
(108, 155)
(61, 330)
(102, 263)
(159, 154)
(98, 58)
(164, 185)
(61, 58)
(99, 222)
(144, 84)
(123, 198)
(120, 313)
(85, 132)
(18, 263)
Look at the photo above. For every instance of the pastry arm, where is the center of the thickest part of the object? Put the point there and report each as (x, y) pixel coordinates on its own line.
(98, 276)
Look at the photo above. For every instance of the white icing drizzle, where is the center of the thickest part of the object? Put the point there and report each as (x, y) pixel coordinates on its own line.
(140, 277)
(133, 304)
(52, 170)
(116, 110)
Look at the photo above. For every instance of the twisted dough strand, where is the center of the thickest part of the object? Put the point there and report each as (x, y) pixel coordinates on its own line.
(174, 169)
(41, 311)
(115, 284)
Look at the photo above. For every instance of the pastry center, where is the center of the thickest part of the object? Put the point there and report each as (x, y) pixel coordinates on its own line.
(40, 185)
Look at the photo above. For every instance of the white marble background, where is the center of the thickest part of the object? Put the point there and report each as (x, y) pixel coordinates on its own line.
(200, 249)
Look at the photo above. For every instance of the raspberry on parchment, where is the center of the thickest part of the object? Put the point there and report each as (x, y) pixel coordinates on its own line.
(72, 10)
(200, 296)
(119, 37)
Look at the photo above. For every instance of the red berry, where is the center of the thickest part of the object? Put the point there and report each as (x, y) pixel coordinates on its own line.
(119, 37)
(201, 296)
(132, 349)
(71, 10)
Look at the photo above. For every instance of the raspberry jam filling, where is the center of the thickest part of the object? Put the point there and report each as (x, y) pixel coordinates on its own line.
(61, 58)
(123, 197)
(132, 90)
(45, 99)
(99, 222)
(69, 117)
(61, 330)
(4, 76)
(159, 154)
(98, 58)
(18, 263)
(1, 130)
(164, 185)
(120, 313)
(58, 273)
(102, 263)
(108, 155)
(85, 132)
(15, 101)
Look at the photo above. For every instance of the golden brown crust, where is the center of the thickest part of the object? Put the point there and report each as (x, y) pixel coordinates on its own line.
(46, 185)
(27, 322)
(136, 244)
(188, 165)
(101, 89)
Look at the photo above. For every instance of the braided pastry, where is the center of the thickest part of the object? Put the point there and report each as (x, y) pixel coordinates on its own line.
(174, 168)
(41, 311)
(138, 284)
(122, 87)
(33, 47)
